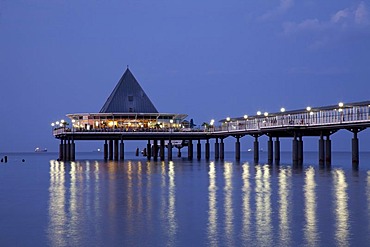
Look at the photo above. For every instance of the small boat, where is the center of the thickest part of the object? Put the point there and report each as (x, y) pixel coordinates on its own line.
(39, 150)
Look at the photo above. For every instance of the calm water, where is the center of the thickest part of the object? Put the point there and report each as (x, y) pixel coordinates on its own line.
(181, 203)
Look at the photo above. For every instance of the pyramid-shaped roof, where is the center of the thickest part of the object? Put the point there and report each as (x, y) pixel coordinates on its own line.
(128, 96)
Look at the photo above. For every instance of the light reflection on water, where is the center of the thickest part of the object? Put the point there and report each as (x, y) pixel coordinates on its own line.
(341, 207)
(138, 203)
(310, 229)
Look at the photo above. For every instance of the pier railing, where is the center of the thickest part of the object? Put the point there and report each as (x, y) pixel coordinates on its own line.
(320, 117)
(337, 116)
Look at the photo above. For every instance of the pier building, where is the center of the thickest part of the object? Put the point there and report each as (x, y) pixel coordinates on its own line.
(128, 114)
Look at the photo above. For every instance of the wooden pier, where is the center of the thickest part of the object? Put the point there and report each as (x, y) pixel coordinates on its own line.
(128, 114)
(319, 121)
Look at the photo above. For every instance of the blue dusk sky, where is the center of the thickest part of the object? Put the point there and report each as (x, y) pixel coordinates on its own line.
(208, 59)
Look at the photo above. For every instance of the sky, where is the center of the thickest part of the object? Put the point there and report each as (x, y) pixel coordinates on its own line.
(208, 59)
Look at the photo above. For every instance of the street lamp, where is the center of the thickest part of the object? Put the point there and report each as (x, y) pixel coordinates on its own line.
(171, 122)
(259, 113)
(341, 104)
(245, 121)
(266, 114)
(308, 108)
(282, 109)
(228, 120)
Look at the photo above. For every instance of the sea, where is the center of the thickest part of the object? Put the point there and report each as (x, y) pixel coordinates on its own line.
(92, 202)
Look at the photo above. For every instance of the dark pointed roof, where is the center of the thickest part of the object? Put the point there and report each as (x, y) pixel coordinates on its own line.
(128, 96)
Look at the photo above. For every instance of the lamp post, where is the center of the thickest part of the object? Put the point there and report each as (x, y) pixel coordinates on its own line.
(228, 121)
(245, 121)
(211, 123)
(171, 122)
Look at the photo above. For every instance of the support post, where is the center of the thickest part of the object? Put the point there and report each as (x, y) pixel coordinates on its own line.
(277, 150)
(155, 150)
(169, 151)
(122, 150)
(270, 150)
(217, 150)
(190, 150)
(295, 149)
(300, 150)
(199, 150)
(328, 150)
(61, 157)
(256, 149)
(73, 151)
(321, 150)
(110, 154)
(105, 150)
(64, 150)
(222, 149)
(237, 148)
(161, 149)
(115, 149)
(207, 150)
(179, 152)
(68, 150)
(148, 150)
(355, 150)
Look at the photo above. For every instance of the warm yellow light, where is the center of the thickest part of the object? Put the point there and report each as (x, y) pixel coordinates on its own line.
(96, 123)
(245, 116)
(73, 120)
(266, 114)
(62, 121)
(110, 124)
(340, 104)
(282, 109)
(57, 122)
(308, 108)
(171, 120)
(228, 119)
(259, 113)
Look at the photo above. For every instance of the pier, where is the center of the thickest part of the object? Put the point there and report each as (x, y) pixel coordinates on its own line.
(128, 114)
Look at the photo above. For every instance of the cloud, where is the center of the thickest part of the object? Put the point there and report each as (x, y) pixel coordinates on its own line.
(342, 22)
(344, 18)
(283, 7)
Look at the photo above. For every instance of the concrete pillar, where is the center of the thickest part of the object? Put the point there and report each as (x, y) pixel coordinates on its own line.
(217, 150)
(68, 150)
(110, 151)
(321, 150)
(155, 150)
(116, 149)
(190, 150)
(169, 151)
(237, 148)
(73, 151)
(300, 149)
(222, 149)
(328, 150)
(148, 150)
(61, 157)
(295, 149)
(122, 150)
(355, 150)
(277, 150)
(161, 150)
(207, 150)
(256, 149)
(65, 158)
(105, 150)
(199, 150)
(270, 151)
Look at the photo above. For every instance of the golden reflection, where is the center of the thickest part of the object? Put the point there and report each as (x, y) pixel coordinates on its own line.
(284, 206)
(148, 191)
(310, 230)
(263, 206)
(368, 193)
(228, 203)
(171, 204)
(212, 206)
(246, 203)
(140, 187)
(341, 210)
(130, 196)
(57, 202)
